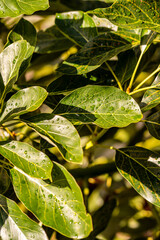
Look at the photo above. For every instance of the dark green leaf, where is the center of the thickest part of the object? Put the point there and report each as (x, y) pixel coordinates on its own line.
(26, 100)
(151, 97)
(4, 180)
(141, 167)
(132, 14)
(15, 8)
(59, 132)
(27, 158)
(10, 62)
(153, 124)
(104, 106)
(77, 26)
(58, 205)
(51, 41)
(147, 38)
(94, 54)
(14, 224)
(125, 65)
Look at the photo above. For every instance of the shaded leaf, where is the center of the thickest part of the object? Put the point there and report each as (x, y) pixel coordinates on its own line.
(58, 205)
(27, 158)
(141, 167)
(125, 65)
(59, 132)
(51, 41)
(10, 62)
(147, 38)
(132, 14)
(18, 7)
(77, 26)
(4, 180)
(25, 100)
(153, 124)
(94, 54)
(104, 106)
(14, 224)
(151, 97)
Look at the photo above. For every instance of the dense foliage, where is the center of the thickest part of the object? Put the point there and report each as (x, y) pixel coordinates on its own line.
(79, 119)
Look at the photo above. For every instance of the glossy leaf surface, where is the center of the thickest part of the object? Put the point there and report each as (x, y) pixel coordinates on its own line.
(26, 100)
(14, 224)
(94, 54)
(77, 26)
(17, 7)
(4, 180)
(59, 132)
(58, 205)
(27, 158)
(104, 106)
(140, 167)
(10, 62)
(153, 124)
(51, 41)
(132, 14)
(151, 97)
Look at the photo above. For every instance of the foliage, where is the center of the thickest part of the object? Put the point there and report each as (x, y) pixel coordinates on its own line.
(79, 81)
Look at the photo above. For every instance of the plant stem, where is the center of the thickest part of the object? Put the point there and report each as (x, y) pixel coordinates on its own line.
(94, 171)
(142, 89)
(9, 132)
(146, 79)
(134, 73)
(99, 135)
(114, 75)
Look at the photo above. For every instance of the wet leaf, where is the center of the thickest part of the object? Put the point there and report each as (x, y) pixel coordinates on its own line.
(58, 205)
(25, 100)
(18, 7)
(15, 224)
(132, 14)
(59, 132)
(27, 158)
(104, 106)
(94, 54)
(140, 167)
(77, 26)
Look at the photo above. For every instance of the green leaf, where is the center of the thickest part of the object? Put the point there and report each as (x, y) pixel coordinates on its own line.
(58, 205)
(125, 66)
(14, 224)
(10, 62)
(24, 30)
(27, 158)
(59, 132)
(15, 8)
(104, 106)
(77, 26)
(132, 14)
(141, 167)
(151, 97)
(4, 180)
(153, 124)
(51, 41)
(94, 54)
(25, 100)
(147, 38)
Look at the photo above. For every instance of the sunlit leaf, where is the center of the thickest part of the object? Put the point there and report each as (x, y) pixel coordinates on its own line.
(141, 167)
(77, 26)
(14, 224)
(25, 100)
(15, 8)
(94, 54)
(27, 158)
(104, 106)
(151, 97)
(58, 205)
(132, 14)
(59, 132)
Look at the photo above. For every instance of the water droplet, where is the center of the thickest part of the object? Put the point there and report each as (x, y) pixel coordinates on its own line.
(50, 196)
